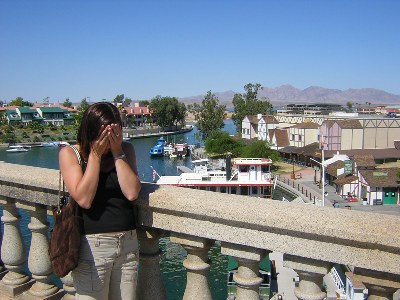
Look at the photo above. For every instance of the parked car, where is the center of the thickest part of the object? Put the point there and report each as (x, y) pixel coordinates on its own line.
(351, 199)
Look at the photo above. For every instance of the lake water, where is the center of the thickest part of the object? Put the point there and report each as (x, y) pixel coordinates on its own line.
(174, 273)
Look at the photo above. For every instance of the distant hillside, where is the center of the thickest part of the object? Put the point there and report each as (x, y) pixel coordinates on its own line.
(287, 94)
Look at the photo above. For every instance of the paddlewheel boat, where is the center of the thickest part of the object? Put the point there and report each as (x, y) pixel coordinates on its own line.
(241, 176)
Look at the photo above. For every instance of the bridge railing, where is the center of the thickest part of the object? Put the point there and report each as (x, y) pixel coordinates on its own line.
(311, 238)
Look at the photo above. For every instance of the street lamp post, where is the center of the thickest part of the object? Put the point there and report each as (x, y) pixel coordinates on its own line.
(315, 174)
(323, 176)
(292, 176)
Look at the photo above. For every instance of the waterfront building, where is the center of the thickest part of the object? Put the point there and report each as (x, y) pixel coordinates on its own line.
(41, 114)
(55, 116)
(135, 116)
(338, 133)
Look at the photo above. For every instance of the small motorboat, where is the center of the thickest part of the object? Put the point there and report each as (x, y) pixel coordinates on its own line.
(17, 148)
(158, 149)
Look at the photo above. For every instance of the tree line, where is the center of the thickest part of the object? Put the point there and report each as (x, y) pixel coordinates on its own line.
(209, 115)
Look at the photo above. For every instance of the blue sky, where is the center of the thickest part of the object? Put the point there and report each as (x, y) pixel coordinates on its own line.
(99, 49)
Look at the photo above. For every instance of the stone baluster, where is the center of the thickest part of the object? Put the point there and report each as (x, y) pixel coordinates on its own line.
(311, 273)
(247, 276)
(13, 253)
(197, 265)
(150, 282)
(68, 286)
(38, 261)
(380, 285)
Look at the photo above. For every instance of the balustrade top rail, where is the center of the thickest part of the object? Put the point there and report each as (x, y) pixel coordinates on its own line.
(365, 240)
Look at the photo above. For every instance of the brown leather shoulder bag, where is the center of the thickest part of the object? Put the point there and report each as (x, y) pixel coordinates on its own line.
(65, 237)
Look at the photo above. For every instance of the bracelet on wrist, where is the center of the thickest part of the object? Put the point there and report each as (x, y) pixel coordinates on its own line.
(122, 156)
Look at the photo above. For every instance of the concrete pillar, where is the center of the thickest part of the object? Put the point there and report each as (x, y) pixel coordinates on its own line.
(311, 273)
(39, 261)
(68, 286)
(247, 276)
(197, 265)
(150, 282)
(13, 253)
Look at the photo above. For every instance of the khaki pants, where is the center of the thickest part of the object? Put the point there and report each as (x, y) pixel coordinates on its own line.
(108, 266)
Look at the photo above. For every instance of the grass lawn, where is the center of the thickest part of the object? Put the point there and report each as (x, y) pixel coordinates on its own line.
(284, 168)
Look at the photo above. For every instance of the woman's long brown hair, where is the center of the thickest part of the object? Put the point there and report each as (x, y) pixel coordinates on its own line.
(98, 114)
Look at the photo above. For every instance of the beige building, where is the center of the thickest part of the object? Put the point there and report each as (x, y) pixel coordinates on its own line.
(349, 134)
(380, 133)
(303, 134)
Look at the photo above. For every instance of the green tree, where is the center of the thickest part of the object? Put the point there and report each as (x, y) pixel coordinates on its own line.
(144, 103)
(349, 105)
(127, 102)
(8, 136)
(3, 119)
(221, 143)
(209, 115)
(118, 99)
(247, 104)
(67, 103)
(19, 101)
(84, 105)
(36, 139)
(260, 149)
(181, 114)
(168, 111)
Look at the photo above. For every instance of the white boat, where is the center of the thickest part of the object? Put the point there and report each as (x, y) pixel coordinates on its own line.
(49, 144)
(55, 144)
(169, 150)
(178, 150)
(17, 148)
(245, 176)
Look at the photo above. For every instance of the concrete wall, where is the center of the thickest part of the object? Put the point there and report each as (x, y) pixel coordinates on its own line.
(311, 238)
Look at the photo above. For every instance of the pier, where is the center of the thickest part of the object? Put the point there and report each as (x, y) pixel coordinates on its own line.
(311, 238)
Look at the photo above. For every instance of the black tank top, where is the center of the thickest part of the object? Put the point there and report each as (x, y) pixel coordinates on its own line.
(110, 210)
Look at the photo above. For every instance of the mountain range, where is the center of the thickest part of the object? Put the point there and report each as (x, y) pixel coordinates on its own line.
(286, 94)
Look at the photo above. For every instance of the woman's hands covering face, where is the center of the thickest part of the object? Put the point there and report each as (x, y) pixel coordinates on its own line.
(115, 138)
(110, 139)
(101, 145)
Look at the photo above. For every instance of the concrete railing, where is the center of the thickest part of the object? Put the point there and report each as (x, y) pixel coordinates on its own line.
(312, 239)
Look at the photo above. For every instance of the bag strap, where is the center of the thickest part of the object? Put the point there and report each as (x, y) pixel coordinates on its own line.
(59, 192)
(78, 155)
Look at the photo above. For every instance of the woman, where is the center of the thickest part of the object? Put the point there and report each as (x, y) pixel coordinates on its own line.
(104, 187)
